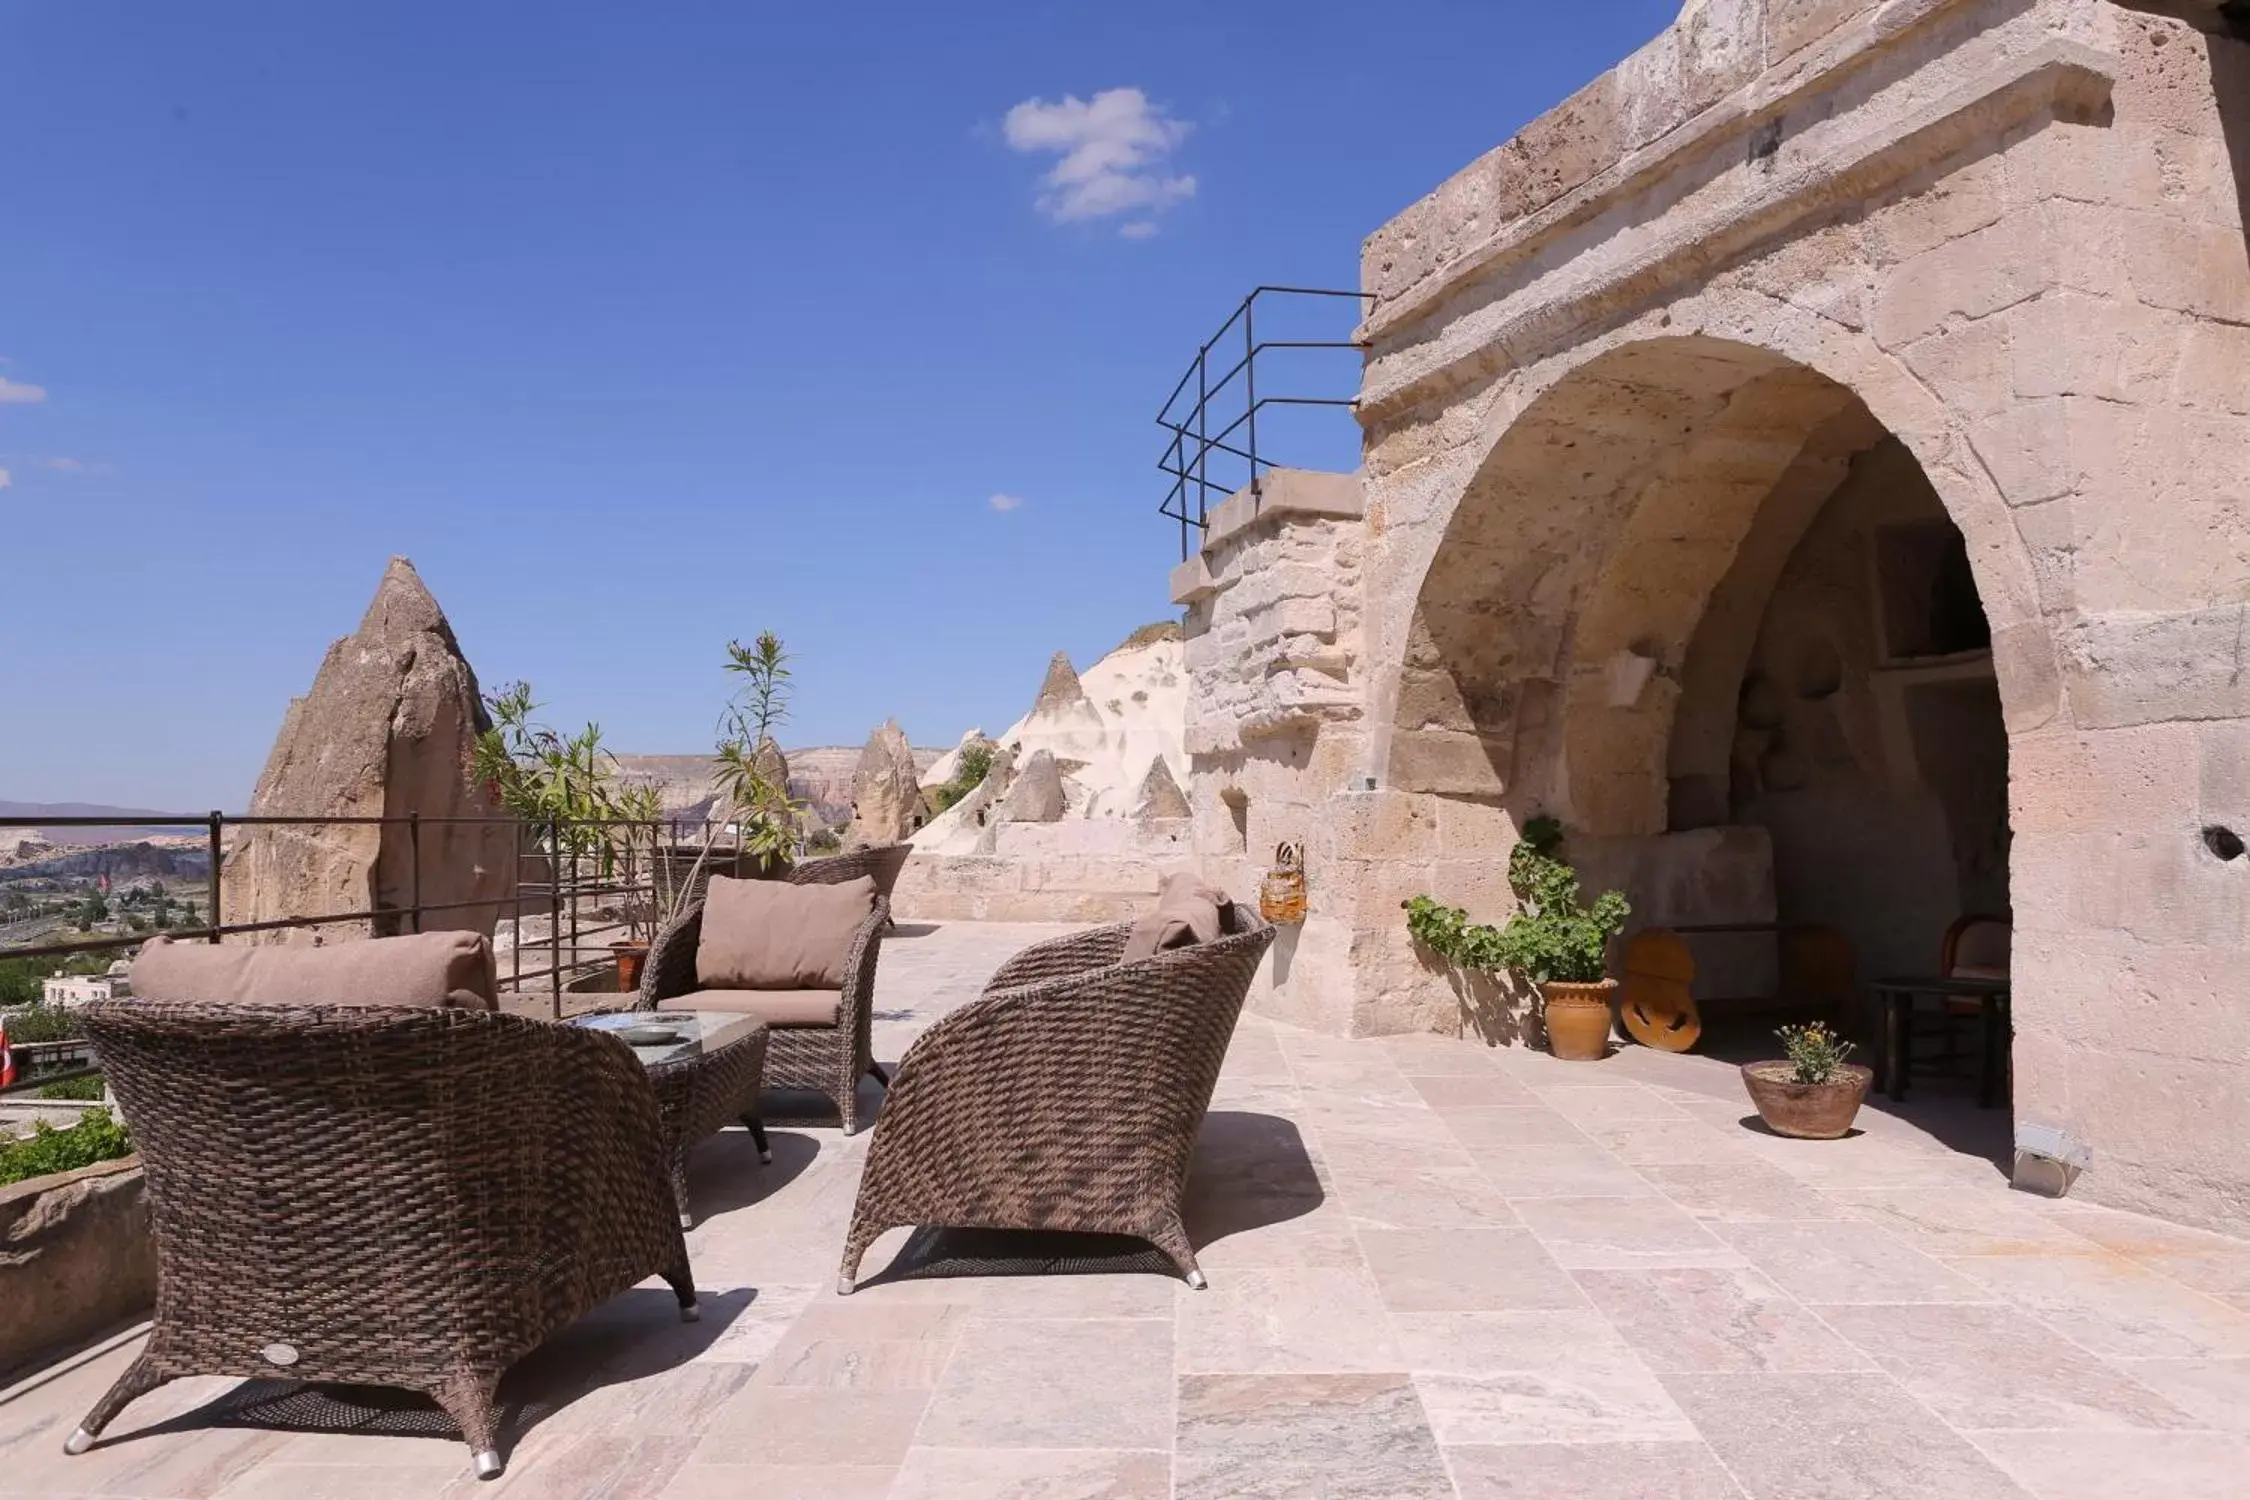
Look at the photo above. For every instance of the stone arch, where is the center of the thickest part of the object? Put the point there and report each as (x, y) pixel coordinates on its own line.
(1614, 490)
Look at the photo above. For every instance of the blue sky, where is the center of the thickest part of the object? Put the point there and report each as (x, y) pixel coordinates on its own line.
(642, 327)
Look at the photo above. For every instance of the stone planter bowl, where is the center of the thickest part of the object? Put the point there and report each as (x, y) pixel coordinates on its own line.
(1807, 1111)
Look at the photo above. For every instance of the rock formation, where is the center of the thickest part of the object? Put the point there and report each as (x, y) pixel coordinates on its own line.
(389, 728)
(886, 790)
(1160, 795)
(1036, 794)
(1081, 813)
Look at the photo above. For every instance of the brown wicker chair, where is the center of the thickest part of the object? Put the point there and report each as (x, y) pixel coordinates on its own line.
(811, 1058)
(1068, 1097)
(884, 864)
(382, 1196)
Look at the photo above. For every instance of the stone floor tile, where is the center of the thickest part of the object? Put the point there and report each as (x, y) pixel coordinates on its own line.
(1958, 1220)
(1032, 1474)
(188, 1461)
(1560, 1172)
(1337, 1437)
(1590, 1471)
(1740, 1193)
(1483, 1128)
(1834, 1437)
(1423, 1198)
(1610, 1105)
(1466, 1270)
(2110, 1305)
(791, 1425)
(1843, 1261)
(1431, 1056)
(2137, 1236)
(1714, 1319)
(1644, 1143)
(1266, 1320)
(1084, 1383)
(780, 1482)
(1130, 1295)
(1981, 1366)
(1494, 1343)
(1565, 1393)
(595, 1467)
(1870, 1162)
(864, 1347)
(757, 1329)
(2109, 1465)
(1622, 1233)
(271, 1481)
(2215, 1392)
(1484, 1089)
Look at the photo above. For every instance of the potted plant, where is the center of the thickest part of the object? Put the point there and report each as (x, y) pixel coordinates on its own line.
(1553, 940)
(1815, 1094)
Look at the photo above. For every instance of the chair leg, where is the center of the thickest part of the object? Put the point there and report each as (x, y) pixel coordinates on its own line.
(757, 1129)
(864, 1233)
(682, 1283)
(847, 1100)
(882, 1074)
(679, 1189)
(467, 1399)
(143, 1375)
(1171, 1238)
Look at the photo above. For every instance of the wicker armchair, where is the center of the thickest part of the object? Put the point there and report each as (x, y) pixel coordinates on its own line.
(823, 1059)
(1068, 1097)
(884, 864)
(382, 1196)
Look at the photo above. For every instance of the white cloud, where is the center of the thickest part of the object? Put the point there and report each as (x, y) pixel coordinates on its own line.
(5, 481)
(1113, 151)
(67, 465)
(1005, 503)
(17, 393)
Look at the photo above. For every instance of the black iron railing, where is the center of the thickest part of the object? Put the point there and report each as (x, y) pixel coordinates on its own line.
(1213, 420)
(578, 885)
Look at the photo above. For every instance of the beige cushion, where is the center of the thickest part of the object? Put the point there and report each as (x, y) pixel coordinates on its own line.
(429, 968)
(1187, 912)
(774, 1007)
(768, 935)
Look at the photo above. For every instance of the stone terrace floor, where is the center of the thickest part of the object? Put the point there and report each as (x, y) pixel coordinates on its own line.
(1436, 1270)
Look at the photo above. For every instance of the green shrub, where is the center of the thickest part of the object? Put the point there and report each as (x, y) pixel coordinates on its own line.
(41, 1023)
(1553, 934)
(1816, 1051)
(96, 1137)
(85, 1086)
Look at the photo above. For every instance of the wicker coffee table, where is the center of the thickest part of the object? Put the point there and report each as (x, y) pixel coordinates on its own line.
(706, 1073)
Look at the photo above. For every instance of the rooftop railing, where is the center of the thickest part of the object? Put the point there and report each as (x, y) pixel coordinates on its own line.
(586, 883)
(1213, 417)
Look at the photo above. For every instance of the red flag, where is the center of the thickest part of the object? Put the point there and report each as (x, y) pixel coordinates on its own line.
(7, 1057)
(104, 882)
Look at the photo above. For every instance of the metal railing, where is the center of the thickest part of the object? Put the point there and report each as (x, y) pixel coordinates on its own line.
(1200, 401)
(588, 882)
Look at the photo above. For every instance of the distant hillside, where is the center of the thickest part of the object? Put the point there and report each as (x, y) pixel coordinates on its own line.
(124, 831)
(820, 775)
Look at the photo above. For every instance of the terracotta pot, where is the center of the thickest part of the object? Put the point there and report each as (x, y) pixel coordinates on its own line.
(630, 958)
(1577, 1019)
(1808, 1111)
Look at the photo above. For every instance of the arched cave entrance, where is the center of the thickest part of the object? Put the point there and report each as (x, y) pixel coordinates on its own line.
(1702, 606)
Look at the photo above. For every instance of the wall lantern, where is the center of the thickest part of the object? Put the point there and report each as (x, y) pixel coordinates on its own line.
(1281, 897)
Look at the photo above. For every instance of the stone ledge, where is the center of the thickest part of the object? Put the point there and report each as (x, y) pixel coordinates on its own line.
(76, 1257)
(1282, 494)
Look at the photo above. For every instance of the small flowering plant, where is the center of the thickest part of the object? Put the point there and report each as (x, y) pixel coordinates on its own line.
(1814, 1050)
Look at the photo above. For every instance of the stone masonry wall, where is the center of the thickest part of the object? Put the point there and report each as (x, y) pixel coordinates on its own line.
(2012, 231)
